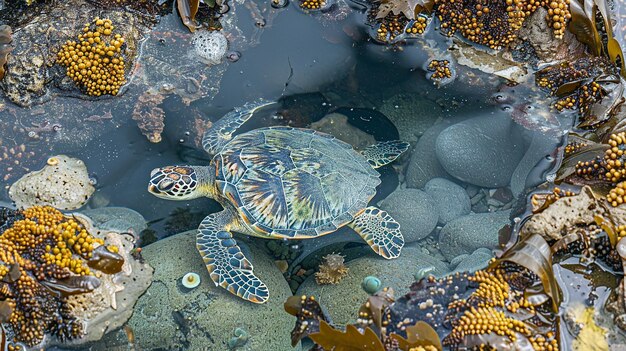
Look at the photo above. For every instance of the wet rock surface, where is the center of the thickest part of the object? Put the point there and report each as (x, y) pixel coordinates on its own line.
(450, 198)
(411, 114)
(340, 299)
(63, 183)
(117, 218)
(172, 317)
(424, 164)
(468, 233)
(413, 209)
(483, 151)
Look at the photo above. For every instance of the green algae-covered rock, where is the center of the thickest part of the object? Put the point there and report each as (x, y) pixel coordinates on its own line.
(344, 299)
(171, 317)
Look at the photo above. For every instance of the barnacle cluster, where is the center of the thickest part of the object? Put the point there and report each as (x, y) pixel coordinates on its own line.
(332, 270)
(44, 256)
(495, 23)
(95, 61)
(440, 69)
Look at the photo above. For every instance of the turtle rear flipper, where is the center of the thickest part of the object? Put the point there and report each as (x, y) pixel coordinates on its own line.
(380, 231)
(384, 152)
(227, 265)
(222, 131)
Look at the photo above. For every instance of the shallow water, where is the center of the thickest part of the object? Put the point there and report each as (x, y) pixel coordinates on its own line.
(313, 66)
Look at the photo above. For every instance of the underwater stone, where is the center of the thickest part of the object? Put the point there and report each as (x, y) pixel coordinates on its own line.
(63, 184)
(424, 164)
(450, 198)
(483, 151)
(119, 219)
(413, 209)
(210, 46)
(341, 299)
(466, 234)
(412, 114)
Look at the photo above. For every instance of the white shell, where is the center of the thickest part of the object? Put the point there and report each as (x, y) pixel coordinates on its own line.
(191, 280)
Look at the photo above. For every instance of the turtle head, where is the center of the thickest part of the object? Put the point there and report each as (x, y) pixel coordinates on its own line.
(180, 182)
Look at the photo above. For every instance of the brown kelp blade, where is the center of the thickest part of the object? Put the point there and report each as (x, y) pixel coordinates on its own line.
(330, 338)
(187, 9)
(534, 253)
(420, 334)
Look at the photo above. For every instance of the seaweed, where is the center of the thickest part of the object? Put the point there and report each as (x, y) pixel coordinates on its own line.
(351, 340)
(188, 10)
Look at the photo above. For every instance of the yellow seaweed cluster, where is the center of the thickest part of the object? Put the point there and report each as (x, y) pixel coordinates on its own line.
(312, 4)
(489, 306)
(95, 61)
(572, 147)
(614, 157)
(391, 27)
(440, 69)
(495, 22)
(418, 26)
(42, 245)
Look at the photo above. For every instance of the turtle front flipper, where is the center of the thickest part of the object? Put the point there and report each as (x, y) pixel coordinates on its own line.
(380, 231)
(384, 152)
(222, 131)
(227, 265)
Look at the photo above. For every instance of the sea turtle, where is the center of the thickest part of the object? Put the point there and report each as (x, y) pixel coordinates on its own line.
(279, 183)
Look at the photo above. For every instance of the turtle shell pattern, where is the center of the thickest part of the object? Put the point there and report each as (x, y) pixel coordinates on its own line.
(294, 183)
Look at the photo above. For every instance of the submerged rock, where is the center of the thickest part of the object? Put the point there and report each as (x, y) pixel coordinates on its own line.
(424, 164)
(483, 151)
(63, 183)
(412, 114)
(414, 210)
(340, 299)
(170, 316)
(450, 199)
(468, 233)
(120, 219)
